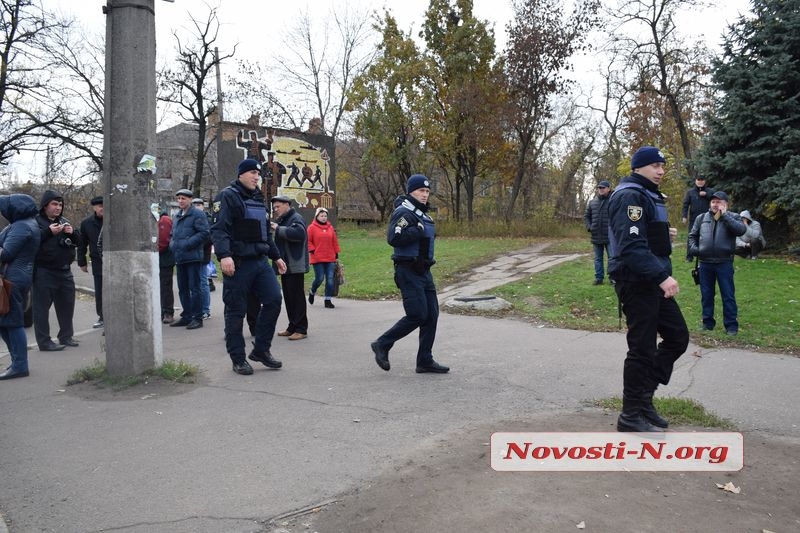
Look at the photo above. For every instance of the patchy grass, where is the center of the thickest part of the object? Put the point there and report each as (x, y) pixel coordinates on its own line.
(679, 412)
(170, 370)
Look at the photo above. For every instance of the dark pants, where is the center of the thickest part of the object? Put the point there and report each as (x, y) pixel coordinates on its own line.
(712, 274)
(252, 276)
(422, 311)
(648, 314)
(55, 288)
(750, 251)
(294, 296)
(189, 291)
(167, 296)
(98, 292)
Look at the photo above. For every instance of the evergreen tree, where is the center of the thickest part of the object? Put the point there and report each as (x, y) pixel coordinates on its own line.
(752, 150)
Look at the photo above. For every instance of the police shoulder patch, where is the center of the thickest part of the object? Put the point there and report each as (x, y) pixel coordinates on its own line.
(402, 223)
(634, 213)
(216, 207)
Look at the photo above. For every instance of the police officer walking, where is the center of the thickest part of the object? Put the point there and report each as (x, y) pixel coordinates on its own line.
(640, 266)
(242, 243)
(411, 232)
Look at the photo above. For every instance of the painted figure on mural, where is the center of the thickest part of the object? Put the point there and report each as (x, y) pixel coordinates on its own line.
(254, 148)
(273, 176)
(307, 173)
(317, 182)
(294, 175)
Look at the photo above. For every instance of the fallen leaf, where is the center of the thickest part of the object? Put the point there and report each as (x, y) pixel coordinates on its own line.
(697, 353)
(729, 487)
(581, 525)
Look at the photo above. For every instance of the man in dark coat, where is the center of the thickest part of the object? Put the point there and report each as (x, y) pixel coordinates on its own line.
(696, 201)
(91, 231)
(596, 220)
(53, 283)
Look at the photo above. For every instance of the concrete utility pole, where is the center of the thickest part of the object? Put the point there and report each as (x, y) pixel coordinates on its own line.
(131, 302)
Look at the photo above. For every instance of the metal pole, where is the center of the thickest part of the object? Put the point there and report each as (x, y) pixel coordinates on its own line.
(131, 302)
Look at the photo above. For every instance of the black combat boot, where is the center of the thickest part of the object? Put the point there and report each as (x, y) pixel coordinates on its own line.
(649, 411)
(631, 418)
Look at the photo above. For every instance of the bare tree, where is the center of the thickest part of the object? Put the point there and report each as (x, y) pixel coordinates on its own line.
(541, 41)
(191, 87)
(25, 27)
(663, 63)
(314, 73)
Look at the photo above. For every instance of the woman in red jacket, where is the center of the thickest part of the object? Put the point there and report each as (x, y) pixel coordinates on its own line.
(323, 250)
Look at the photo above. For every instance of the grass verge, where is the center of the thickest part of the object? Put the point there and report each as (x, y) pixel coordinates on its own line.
(170, 370)
(679, 412)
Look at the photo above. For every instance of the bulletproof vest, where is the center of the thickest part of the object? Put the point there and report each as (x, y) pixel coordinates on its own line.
(657, 230)
(254, 227)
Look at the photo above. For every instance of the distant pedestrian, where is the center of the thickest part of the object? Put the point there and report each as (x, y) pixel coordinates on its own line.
(19, 243)
(190, 234)
(53, 282)
(752, 242)
(411, 233)
(640, 246)
(166, 266)
(713, 240)
(243, 243)
(696, 201)
(92, 233)
(292, 241)
(205, 281)
(323, 251)
(595, 218)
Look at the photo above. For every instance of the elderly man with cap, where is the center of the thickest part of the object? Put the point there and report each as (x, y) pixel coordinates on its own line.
(91, 229)
(752, 242)
(291, 237)
(640, 267)
(696, 201)
(190, 234)
(713, 240)
(243, 243)
(411, 233)
(596, 220)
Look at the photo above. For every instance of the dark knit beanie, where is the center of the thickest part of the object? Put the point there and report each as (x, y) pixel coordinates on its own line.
(247, 165)
(417, 181)
(647, 155)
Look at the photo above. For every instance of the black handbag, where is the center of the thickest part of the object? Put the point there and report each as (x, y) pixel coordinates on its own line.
(696, 271)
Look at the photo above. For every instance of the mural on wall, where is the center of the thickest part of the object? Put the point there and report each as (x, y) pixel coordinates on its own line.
(290, 167)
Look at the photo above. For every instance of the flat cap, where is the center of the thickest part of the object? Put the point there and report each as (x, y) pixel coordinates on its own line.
(184, 192)
(284, 199)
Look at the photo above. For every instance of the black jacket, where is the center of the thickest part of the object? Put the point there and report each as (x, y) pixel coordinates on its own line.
(596, 219)
(241, 224)
(55, 251)
(91, 229)
(714, 241)
(694, 204)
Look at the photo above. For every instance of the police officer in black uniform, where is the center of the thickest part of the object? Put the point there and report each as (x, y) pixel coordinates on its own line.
(640, 266)
(242, 243)
(411, 232)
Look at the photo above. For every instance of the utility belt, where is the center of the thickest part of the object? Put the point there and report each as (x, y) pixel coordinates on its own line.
(418, 265)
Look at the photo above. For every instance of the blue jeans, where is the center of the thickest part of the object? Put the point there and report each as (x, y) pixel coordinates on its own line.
(323, 270)
(204, 290)
(712, 274)
(599, 272)
(17, 342)
(190, 290)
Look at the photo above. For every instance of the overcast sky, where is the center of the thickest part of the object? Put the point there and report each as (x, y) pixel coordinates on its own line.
(258, 24)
